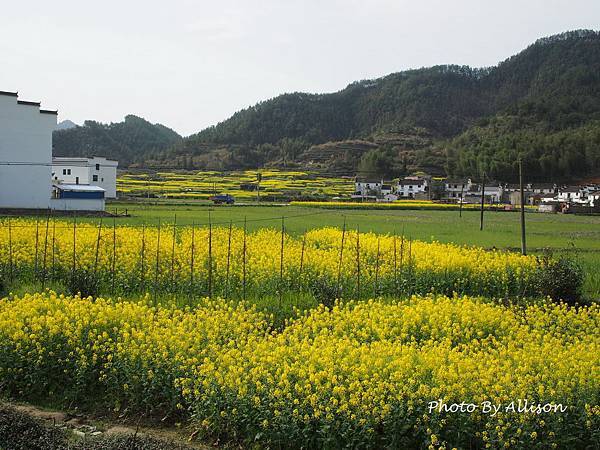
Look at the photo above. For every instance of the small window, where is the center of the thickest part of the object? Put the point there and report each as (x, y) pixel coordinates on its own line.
(68, 171)
(101, 179)
(95, 177)
(64, 171)
(97, 166)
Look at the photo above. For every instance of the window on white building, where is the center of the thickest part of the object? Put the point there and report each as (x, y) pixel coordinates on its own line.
(95, 177)
(97, 166)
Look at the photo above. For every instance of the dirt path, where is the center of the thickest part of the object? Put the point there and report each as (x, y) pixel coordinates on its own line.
(85, 425)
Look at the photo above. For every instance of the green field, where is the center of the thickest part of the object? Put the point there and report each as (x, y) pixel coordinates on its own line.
(577, 236)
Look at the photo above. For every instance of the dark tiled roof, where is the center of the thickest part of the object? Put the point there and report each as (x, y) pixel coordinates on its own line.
(47, 111)
(411, 182)
(12, 94)
(23, 102)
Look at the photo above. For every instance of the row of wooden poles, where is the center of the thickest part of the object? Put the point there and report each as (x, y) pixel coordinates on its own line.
(143, 256)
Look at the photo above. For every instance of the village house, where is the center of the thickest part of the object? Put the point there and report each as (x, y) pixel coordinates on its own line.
(493, 193)
(415, 188)
(453, 189)
(95, 171)
(367, 188)
(571, 194)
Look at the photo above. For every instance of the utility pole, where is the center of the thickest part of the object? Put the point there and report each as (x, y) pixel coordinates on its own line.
(462, 188)
(482, 201)
(523, 243)
(258, 180)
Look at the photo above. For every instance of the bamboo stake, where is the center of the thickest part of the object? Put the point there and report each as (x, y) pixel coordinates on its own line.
(228, 259)
(97, 249)
(395, 265)
(192, 261)
(377, 266)
(74, 251)
(157, 261)
(142, 259)
(10, 252)
(53, 247)
(114, 255)
(35, 265)
(244, 264)
(209, 256)
(358, 262)
(173, 253)
(281, 264)
(339, 274)
(45, 250)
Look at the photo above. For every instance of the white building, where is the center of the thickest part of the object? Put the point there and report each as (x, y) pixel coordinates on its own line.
(367, 188)
(493, 193)
(453, 189)
(95, 171)
(77, 197)
(570, 194)
(26, 161)
(412, 188)
(25, 153)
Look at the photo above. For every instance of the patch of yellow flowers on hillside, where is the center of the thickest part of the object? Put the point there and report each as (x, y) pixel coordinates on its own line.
(358, 374)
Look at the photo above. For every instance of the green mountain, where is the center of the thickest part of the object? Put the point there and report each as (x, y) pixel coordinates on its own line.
(132, 141)
(542, 105)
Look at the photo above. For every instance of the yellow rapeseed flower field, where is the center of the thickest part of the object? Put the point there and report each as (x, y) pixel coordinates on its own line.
(325, 262)
(359, 374)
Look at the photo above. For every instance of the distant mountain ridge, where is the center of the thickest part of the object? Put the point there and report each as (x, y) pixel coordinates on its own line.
(541, 105)
(66, 125)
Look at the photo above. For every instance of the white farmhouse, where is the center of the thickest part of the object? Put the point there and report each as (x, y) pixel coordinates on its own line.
(367, 188)
(25, 153)
(95, 171)
(412, 188)
(571, 194)
(453, 189)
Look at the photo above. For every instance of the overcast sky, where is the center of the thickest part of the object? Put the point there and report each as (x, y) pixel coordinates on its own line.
(190, 64)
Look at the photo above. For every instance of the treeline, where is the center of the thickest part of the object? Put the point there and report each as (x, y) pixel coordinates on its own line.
(134, 140)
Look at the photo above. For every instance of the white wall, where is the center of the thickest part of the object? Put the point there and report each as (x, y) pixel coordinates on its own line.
(25, 154)
(77, 204)
(85, 169)
(107, 175)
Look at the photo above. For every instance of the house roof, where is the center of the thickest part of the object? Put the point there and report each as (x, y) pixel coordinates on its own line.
(365, 180)
(24, 102)
(542, 186)
(11, 94)
(47, 111)
(406, 182)
(77, 160)
(570, 189)
(78, 187)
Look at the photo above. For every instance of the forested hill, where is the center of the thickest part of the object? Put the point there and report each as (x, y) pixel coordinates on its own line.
(134, 140)
(542, 104)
